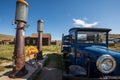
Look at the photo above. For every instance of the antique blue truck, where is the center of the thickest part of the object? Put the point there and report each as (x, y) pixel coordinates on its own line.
(88, 55)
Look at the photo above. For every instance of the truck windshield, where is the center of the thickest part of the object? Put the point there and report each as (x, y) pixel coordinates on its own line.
(91, 37)
(66, 40)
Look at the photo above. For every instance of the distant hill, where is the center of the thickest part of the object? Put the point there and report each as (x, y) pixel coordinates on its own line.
(10, 37)
(114, 35)
(6, 37)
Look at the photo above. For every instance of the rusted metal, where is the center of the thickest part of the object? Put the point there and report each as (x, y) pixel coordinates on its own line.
(39, 55)
(19, 68)
(40, 33)
(23, 1)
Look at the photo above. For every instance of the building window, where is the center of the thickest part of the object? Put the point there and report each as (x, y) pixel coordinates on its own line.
(34, 41)
(28, 41)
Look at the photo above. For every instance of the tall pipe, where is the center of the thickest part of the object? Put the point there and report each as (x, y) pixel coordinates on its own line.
(40, 33)
(19, 69)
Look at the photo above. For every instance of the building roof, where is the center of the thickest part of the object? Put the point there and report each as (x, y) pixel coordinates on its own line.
(46, 35)
(90, 29)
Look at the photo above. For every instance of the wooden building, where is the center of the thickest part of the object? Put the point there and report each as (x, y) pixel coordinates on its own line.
(6, 42)
(56, 42)
(33, 39)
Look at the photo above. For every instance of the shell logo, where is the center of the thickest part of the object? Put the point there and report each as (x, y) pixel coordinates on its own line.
(31, 52)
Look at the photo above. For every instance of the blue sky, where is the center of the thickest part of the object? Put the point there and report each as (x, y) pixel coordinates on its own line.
(61, 15)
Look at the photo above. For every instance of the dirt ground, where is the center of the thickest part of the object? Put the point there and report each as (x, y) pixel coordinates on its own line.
(50, 72)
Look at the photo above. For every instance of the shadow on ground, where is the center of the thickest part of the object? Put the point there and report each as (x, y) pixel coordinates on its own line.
(54, 57)
(52, 68)
(2, 58)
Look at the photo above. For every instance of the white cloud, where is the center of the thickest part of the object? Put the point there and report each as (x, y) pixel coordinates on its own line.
(79, 22)
(90, 25)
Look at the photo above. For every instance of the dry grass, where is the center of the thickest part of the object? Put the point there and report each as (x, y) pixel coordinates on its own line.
(6, 52)
(116, 47)
(2, 68)
(52, 49)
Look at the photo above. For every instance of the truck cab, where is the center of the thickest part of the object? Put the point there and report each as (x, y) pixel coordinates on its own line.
(89, 55)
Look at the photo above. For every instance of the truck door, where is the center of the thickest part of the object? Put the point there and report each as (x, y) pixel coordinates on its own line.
(73, 48)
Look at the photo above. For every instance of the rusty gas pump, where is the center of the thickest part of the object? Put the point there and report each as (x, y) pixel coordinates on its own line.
(19, 69)
(40, 33)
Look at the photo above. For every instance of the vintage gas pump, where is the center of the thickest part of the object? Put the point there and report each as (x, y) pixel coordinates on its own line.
(19, 69)
(40, 33)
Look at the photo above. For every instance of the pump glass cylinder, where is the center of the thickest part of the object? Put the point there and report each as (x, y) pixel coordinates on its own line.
(21, 12)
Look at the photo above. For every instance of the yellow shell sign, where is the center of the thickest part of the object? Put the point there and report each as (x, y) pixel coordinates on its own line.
(31, 51)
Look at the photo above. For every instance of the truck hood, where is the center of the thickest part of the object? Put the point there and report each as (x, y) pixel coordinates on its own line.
(100, 50)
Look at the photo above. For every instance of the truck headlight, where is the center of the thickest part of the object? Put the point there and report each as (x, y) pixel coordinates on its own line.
(106, 64)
